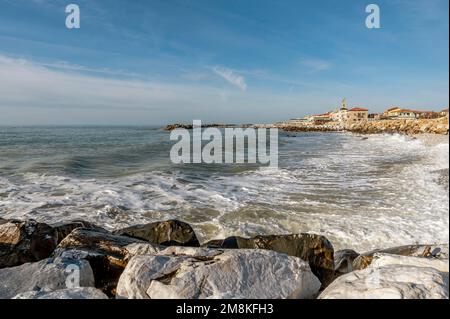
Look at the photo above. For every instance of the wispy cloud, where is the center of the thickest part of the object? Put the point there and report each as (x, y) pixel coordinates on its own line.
(315, 64)
(231, 76)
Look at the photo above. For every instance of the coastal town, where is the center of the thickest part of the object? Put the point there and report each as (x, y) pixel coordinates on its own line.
(360, 120)
(346, 115)
(355, 119)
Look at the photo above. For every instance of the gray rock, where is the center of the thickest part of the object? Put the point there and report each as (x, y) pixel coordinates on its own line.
(107, 254)
(393, 277)
(45, 275)
(425, 251)
(73, 293)
(314, 249)
(197, 273)
(167, 233)
(343, 261)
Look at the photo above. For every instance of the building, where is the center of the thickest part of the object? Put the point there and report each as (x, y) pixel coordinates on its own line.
(340, 115)
(357, 114)
(399, 113)
(319, 119)
(345, 115)
(444, 113)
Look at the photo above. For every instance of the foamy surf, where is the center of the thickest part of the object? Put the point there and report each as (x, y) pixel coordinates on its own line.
(361, 193)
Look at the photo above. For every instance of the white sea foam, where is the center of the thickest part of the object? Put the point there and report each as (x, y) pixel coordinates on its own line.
(361, 194)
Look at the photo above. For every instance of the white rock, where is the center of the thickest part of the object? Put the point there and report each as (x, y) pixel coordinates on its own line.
(185, 272)
(380, 260)
(45, 275)
(74, 293)
(393, 277)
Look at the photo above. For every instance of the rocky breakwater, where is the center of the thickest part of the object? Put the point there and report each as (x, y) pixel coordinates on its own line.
(165, 260)
(410, 127)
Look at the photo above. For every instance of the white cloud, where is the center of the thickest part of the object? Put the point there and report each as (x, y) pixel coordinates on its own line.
(315, 64)
(231, 76)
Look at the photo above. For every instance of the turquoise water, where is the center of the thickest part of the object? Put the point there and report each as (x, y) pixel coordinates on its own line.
(361, 193)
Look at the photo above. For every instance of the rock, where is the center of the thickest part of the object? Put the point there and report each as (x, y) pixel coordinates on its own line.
(382, 259)
(435, 251)
(107, 254)
(343, 261)
(45, 275)
(28, 241)
(73, 293)
(167, 233)
(197, 273)
(25, 241)
(314, 249)
(392, 277)
(63, 229)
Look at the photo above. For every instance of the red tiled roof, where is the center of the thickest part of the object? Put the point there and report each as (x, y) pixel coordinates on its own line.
(358, 109)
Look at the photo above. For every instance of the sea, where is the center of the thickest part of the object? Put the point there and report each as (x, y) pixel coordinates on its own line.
(361, 192)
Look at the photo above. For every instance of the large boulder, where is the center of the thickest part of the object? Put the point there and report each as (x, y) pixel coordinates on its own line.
(167, 233)
(25, 241)
(28, 241)
(45, 275)
(426, 251)
(197, 273)
(393, 277)
(107, 253)
(72, 293)
(314, 249)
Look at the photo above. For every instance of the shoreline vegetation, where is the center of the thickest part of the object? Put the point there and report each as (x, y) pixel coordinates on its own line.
(438, 126)
(166, 260)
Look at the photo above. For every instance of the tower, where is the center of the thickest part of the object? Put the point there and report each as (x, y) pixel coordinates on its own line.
(344, 104)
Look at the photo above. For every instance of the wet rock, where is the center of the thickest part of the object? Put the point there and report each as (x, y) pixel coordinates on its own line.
(45, 275)
(197, 273)
(314, 249)
(426, 251)
(343, 261)
(63, 229)
(107, 253)
(25, 241)
(73, 293)
(393, 277)
(167, 233)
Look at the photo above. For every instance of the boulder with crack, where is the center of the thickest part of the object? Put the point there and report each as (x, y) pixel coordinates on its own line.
(181, 272)
(315, 249)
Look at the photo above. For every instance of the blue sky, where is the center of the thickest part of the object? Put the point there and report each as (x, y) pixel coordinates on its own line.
(154, 62)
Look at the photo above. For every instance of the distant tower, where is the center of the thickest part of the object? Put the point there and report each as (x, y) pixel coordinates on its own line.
(344, 104)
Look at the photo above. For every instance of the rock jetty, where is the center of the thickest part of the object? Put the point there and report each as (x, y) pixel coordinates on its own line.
(79, 260)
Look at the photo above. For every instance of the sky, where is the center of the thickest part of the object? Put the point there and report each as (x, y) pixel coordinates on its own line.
(248, 61)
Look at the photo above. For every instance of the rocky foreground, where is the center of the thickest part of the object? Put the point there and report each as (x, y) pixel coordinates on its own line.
(165, 260)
